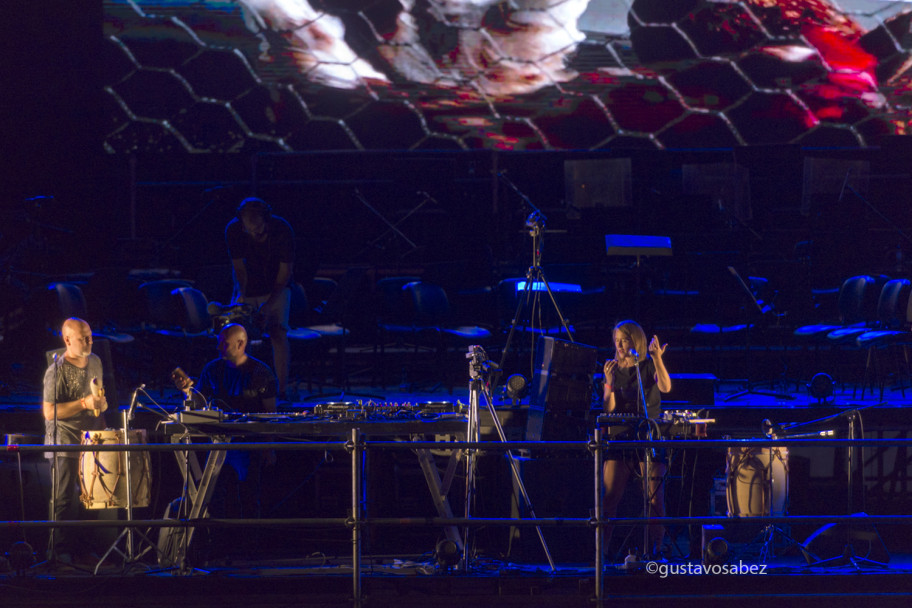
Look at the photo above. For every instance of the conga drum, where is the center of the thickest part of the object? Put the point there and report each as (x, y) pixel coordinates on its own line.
(757, 481)
(103, 475)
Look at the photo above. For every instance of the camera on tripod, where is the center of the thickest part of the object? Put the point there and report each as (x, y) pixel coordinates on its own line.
(479, 364)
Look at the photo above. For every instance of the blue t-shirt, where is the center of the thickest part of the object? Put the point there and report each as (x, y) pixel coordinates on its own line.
(242, 389)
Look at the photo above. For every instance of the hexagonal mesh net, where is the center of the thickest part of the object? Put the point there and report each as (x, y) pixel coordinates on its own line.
(287, 75)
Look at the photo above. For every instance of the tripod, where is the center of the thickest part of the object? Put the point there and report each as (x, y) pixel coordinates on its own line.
(750, 390)
(535, 278)
(479, 366)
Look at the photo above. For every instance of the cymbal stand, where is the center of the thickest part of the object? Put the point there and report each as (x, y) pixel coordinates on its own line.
(129, 555)
(479, 366)
(535, 277)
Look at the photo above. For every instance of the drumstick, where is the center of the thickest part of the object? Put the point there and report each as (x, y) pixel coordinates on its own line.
(97, 393)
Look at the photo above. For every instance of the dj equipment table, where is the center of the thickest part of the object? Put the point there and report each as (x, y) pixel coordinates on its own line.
(208, 425)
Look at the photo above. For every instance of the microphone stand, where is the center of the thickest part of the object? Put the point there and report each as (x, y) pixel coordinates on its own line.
(852, 415)
(127, 533)
(55, 479)
(650, 453)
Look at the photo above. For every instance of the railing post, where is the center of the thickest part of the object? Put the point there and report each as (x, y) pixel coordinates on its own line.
(357, 453)
(598, 485)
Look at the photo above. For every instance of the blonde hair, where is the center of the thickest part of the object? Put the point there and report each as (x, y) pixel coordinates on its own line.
(635, 333)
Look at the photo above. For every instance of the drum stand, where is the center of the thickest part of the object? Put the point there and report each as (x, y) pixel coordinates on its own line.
(768, 547)
(770, 532)
(129, 555)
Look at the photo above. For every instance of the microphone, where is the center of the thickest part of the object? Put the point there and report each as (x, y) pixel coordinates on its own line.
(133, 401)
(633, 352)
(770, 429)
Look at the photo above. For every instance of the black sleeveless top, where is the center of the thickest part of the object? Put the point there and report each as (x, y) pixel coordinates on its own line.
(626, 389)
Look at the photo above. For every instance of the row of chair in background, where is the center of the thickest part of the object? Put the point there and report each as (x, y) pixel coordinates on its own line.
(415, 318)
(174, 322)
(874, 316)
(162, 323)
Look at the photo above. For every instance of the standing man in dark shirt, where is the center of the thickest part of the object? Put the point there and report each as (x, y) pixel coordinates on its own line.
(70, 409)
(262, 250)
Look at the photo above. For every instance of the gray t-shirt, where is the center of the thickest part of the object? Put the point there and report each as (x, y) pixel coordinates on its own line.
(64, 382)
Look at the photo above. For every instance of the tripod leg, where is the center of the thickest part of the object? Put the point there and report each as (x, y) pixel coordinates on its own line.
(515, 321)
(560, 316)
(514, 468)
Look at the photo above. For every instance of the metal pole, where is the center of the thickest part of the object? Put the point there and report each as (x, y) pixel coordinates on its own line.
(598, 483)
(357, 451)
(851, 465)
(647, 473)
(127, 457)
(472, 434)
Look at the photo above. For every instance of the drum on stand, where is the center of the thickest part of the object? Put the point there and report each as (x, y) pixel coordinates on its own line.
(757, 481)
(103, 475)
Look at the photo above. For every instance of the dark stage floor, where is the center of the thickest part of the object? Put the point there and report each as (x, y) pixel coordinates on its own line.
(510, 570)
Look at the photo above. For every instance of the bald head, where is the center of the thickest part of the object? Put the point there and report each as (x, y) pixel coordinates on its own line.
(232, 343)
(77, 336)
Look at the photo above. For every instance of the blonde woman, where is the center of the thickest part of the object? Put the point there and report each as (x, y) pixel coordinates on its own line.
(621, 395)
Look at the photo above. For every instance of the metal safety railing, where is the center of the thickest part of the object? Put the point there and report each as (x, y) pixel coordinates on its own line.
(357, 522)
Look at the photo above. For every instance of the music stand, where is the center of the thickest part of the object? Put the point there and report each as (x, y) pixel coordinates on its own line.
(637, 246)
(763, 310)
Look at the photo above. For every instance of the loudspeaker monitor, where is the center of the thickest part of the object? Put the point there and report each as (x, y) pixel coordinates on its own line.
(561, 391)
